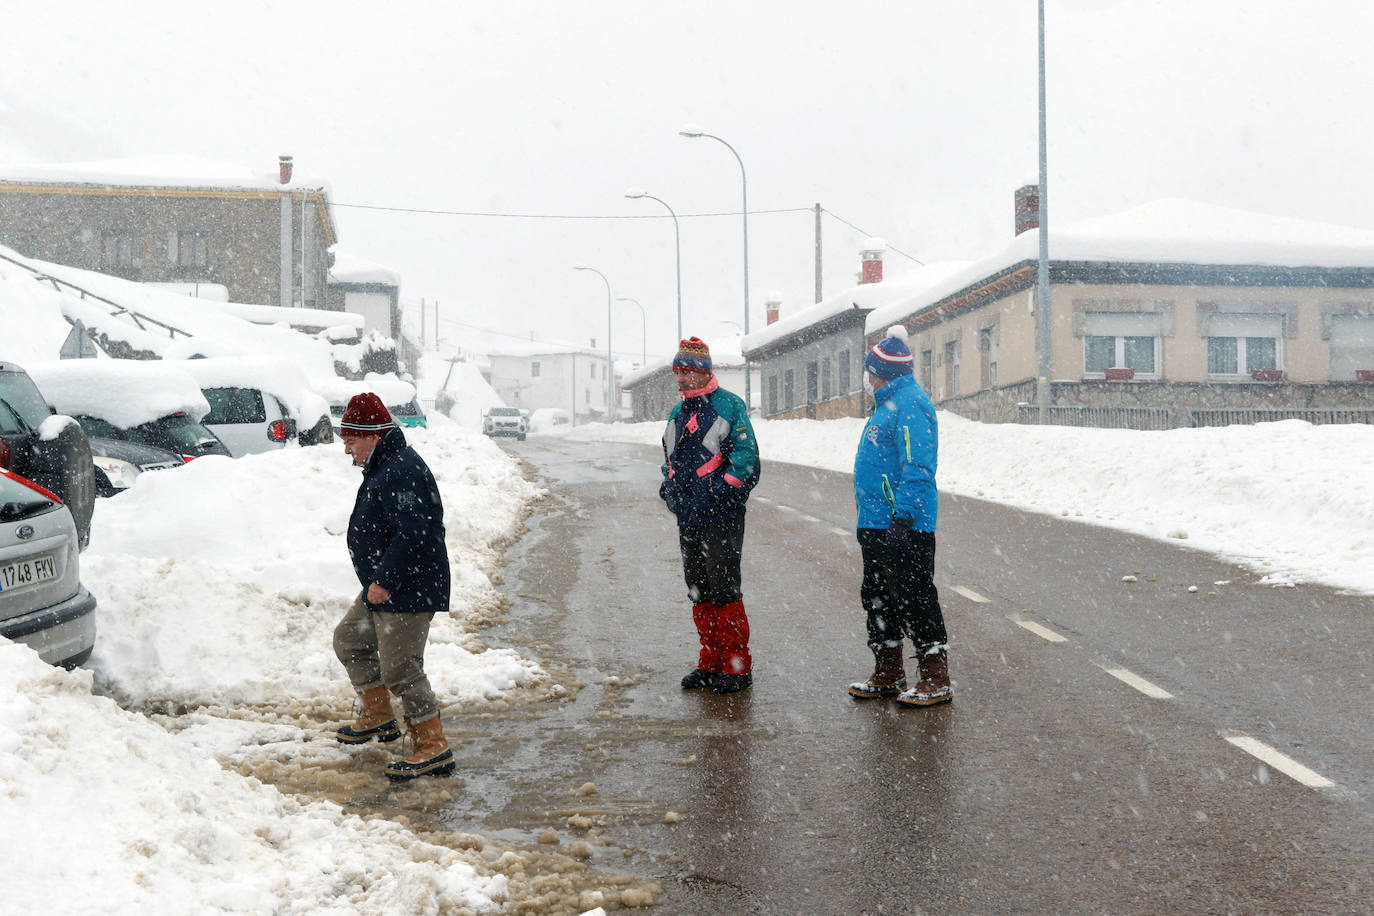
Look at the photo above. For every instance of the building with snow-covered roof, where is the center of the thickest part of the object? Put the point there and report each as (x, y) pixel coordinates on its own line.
(246, 236)
(1174, 313)
(547, 374)
(368, 289)
(653, 388)
(811, 362)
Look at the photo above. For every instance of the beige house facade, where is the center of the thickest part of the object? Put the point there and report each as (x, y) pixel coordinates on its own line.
(1184, 340)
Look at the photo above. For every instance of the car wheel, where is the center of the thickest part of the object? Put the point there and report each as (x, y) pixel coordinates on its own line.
(64, 465)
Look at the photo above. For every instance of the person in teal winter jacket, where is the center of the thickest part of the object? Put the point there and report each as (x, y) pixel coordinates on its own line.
(894, 489)
(710, 463)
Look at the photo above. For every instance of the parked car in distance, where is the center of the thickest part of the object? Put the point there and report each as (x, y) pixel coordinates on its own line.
(259, 404)
(505, 421)
(176, 433)
(398, 396)
(42, 601)
(49, 449)
(118, 462)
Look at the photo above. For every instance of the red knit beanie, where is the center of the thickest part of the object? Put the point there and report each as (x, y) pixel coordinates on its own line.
(366, 416)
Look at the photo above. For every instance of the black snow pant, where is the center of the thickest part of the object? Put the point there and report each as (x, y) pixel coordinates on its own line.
(898, 590)
(711, 560)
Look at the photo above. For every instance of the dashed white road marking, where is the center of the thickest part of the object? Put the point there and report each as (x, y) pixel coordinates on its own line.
(1280, 761)
(1139, 683)
(841, 532)
(970, 594)
(1043, 632)
(785, 508)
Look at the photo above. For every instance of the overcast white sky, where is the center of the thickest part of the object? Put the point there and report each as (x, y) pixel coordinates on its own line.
(914, 122)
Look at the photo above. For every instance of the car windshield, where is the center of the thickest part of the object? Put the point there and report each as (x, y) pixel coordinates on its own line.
(18, 501)
(234, 405)
(409, 409)
(94, 426)
(21, 394)
(179, 432)
(504, 412)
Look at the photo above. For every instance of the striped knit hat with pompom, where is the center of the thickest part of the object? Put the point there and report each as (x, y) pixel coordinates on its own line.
(693, 354)
(890, 357)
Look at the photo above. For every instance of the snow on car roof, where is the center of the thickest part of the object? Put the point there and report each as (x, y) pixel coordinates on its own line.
(125, 392)
(277, 377)
(389, 388)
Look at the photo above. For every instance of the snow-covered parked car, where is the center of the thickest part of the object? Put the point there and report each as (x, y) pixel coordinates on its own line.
(48, 449)
(42, 601)
(505, 421)
(259, 404)
(149, 402)
(118, 462)
(397, 395)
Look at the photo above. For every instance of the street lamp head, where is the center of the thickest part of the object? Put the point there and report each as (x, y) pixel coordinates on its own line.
(691, 130)
(581, 267)
(635, 193)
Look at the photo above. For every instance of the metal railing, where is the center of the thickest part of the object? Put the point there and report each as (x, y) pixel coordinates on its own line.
(1099, 417)
(116, 309)
(1233, 416)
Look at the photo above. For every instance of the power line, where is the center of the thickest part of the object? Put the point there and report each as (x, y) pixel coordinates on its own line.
(556, 215)
(870, 235)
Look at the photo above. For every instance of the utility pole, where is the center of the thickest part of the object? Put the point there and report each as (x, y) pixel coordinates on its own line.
(818, 253)
(1042, 368)
(423, 319)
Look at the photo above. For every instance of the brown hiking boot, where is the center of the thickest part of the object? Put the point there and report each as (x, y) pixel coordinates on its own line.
(431, 756)
(933, 686)
(888, 678)
(376, 721)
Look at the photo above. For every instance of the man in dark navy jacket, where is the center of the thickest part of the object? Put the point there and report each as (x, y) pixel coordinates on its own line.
(396, 542)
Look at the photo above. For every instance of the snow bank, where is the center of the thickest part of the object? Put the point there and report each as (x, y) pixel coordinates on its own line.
(1290, 500)
(108, 812)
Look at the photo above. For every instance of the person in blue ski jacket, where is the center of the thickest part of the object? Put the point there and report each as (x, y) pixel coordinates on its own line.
(898, 505)
(710, 464)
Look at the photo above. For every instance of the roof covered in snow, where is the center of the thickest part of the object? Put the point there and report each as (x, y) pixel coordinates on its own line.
(161, 171)
(349, 268)
(1163, 232)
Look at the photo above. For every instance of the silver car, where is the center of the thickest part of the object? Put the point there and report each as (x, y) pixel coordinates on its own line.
(42, 601)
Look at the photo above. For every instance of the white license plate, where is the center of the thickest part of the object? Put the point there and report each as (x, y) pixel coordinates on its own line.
(28, 572)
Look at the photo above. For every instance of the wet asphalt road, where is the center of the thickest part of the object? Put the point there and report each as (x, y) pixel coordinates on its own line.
(1059, 780)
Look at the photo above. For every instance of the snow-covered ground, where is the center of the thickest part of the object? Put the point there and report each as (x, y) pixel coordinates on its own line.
(219, 586)
(1292, 501)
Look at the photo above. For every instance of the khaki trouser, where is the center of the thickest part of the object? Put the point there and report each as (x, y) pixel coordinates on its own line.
(384, 647)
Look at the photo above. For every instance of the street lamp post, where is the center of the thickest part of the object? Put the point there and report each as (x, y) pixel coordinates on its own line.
(643, 335)
(692, 131)
(636, 194)
(610, 354)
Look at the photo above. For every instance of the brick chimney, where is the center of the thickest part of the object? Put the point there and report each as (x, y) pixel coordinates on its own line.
(774, 307)
(1027, 208)
(872, 254)
(284, 166)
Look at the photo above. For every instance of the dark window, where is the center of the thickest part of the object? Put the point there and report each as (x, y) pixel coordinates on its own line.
(788, 393)
(193, 248)
(812, 382)
(234, 405)
(825, 379)
(772, 394)
(116, 249)
(927, 369)
(534, 370)
(843, 372)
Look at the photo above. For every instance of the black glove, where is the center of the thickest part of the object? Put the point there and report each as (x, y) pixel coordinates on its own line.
(663, 491)
(898, 530)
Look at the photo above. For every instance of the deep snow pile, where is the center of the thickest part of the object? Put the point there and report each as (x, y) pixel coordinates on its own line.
(1290, 500)
(221, 582)
(219, 586)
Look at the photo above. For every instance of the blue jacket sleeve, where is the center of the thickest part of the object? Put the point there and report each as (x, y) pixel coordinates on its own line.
(744, 451)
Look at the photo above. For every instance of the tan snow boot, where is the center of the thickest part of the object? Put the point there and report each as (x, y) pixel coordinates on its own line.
(375, 721)
(933, 685)
(888, 678)
(431, 756)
